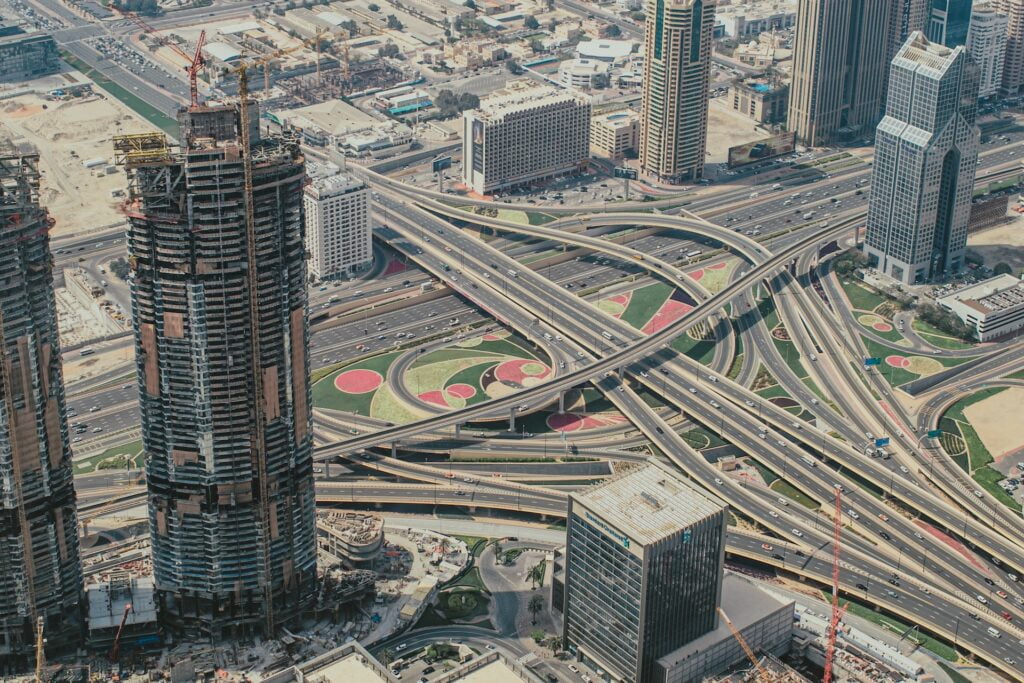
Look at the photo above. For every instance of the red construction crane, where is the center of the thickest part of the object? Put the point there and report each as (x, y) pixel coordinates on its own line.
(837, 612)
(195, 61)
(115, 650)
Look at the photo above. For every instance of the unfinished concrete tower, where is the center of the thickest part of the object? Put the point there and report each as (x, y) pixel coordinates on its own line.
(40, 569)
(219, 303)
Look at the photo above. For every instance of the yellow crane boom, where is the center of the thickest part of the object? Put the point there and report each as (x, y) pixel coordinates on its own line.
(762, 674)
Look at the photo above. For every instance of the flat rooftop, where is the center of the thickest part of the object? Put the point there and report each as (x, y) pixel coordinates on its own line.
(349, 669)
(992, 295)
(495, 672)
(522, 94)
(649, 503)
(745, 603)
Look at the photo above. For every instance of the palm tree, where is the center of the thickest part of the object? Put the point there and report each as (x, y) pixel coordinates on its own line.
(497, 552)
(535, 606)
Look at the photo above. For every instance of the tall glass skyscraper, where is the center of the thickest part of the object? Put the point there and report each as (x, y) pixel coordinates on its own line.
(40, 569)
(221, 331)
(926, 153)
(643, 569)
(674, 121)
(840, 57)
(948, 22)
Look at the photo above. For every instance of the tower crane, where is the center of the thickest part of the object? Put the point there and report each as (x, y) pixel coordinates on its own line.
(837, 612)
(115, 649)
(40, 654)
(195, 61)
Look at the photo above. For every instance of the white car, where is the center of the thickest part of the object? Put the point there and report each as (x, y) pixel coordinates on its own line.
(798, 533)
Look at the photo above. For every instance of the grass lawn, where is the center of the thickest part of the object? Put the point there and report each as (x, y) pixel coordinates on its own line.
(955, 675)
(326, 395)
(861, 296)
(737, 366)
(115, 457)
(937, 337)
(791, 355)
(539, 218)
(767, 473)
(474, 543)
(700, 438)
(977, 461)
(135, 103)
(471, 579)
(1016, 375)
(896, 376)
(786, 489)
(700, 350)
(644, 303)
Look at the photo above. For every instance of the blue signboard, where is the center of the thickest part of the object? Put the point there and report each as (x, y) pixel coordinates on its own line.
(935, 433)
(881, 443)
(868, 362)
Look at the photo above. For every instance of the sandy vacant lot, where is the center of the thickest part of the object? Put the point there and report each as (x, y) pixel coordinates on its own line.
(1004, 243)
(79, 199)
(995, 420)
(728, 128)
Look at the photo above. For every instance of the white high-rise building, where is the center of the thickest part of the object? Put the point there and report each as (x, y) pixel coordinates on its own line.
(926, 154)
(523, 133)
(338, 234)
(986, 44)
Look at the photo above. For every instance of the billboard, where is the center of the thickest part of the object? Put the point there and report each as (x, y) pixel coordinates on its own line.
(477, 149)
(762, 149)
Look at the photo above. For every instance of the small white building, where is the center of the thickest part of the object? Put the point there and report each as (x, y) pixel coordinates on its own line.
(611, 51)
(338, 233)
(583, 74)
(994, 307)
(615, 134)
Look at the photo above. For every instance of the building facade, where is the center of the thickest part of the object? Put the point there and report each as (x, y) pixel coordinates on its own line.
(24, 56)
(40, 569)
(926, 153)
(948, 22)
(219, 304)
(763, 102)
(524, 133)
(677, 76)
(338, 234)
(986, 44)
(840, 60)
(615, 135)
(643, 569)
(1013, 64)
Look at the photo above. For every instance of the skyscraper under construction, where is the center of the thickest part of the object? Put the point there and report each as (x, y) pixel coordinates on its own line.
(40, 569)
(219, 302)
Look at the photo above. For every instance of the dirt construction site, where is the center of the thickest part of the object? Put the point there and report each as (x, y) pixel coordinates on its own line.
(70, 135)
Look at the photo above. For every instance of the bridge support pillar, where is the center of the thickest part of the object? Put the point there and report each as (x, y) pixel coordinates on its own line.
(472, 509)
(458, 429)
(512, 420)
(394, 449)
(561, 402)
(619, 371)
(378, 505)
(543, 518)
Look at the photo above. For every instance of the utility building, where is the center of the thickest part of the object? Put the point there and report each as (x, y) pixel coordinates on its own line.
(221, 331)
(40, 569)
(926, 154)
(643, 569)
(677, 76)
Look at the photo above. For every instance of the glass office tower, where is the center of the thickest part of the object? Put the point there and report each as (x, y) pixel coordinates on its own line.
(643, 569)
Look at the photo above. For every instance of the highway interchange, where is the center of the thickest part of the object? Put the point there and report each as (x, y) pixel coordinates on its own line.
(900, 509)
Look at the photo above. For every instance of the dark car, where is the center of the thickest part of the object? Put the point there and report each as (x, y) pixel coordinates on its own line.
(862, 587)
